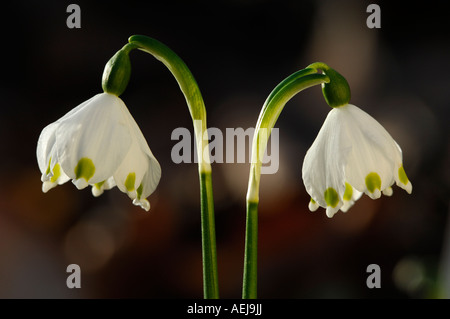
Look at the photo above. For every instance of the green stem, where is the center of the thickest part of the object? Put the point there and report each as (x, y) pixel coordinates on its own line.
(196, 106)
(209, 252)
(270, 112)
(250, 256)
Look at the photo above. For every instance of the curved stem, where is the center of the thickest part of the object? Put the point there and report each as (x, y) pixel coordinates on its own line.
(196, 106)
(270, 112)
(188, 86)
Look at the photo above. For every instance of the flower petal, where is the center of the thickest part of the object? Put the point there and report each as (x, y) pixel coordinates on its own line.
(99, 188)
(45, 148)
(374, 156)
(129, 175)
(313, 206)
(52, 173)
(402, 180)
(55, 177)
(143, 203)
(351, 195)
(150, 180)
(140, 172)
(323, 166)
(96, 131)
(330, 211)
(388, 191)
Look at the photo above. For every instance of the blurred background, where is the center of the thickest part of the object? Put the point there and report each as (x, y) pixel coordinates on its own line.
(238, 51)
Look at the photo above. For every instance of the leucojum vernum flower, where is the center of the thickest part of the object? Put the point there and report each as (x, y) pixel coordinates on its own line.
(352, 154)
(99, 144)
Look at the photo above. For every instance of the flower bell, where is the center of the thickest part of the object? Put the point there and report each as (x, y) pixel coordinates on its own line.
(351, 155)
(98, 143)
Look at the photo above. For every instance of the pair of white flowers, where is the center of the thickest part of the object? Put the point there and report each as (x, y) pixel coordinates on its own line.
(99, 144)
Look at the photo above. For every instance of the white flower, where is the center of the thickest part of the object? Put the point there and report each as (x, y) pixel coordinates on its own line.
(352, 154)
(98, 143)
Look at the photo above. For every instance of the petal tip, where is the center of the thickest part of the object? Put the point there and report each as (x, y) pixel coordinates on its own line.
(80, 183)
(143, 203)
(388, 191)
(346, 206)
(96, 192)
(313, 206)
(408, 188)
(375, 194)
(46, 186)
(331, 211)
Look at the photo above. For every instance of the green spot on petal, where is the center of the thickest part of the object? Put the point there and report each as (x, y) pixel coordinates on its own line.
(312, 201)
(99, 185)
(129, 182)
(85, 169)
(373, 181)
(348, 192)
(139, 191)
(56, 173)
(402, 175)
(48, 167)
(331, 197)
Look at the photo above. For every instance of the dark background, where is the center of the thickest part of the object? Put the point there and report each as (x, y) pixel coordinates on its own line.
(238, 51)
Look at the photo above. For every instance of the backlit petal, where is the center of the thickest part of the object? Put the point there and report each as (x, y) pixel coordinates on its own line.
(96, 131)
(352, 154)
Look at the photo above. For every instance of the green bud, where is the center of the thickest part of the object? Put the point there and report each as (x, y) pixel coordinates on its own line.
(117, 73)
(337, 91)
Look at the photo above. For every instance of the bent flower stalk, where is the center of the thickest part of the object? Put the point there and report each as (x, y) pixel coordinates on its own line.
(352, 154)
(98, 143)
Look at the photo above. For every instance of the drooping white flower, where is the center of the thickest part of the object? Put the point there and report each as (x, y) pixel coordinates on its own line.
(98, 143)
(352, 154)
